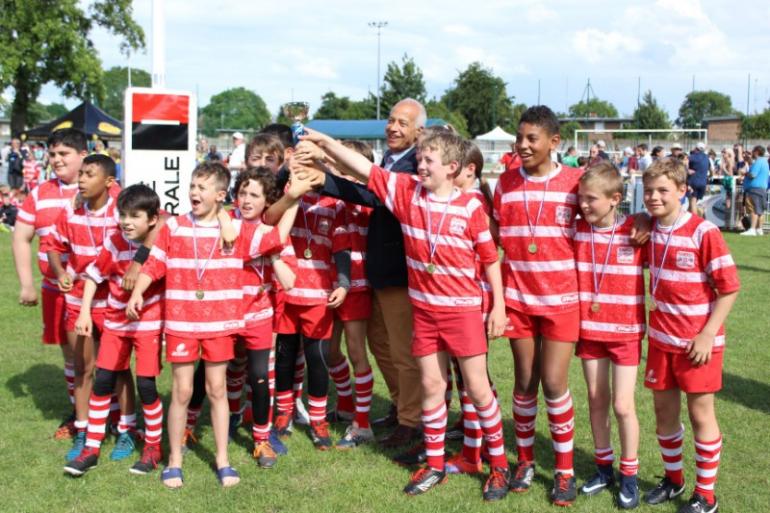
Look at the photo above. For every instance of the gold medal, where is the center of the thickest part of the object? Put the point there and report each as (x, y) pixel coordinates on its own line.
(532, 248)
(307, 253)
(430, 268)
(261, 289)
(199, 294)
(595, 307)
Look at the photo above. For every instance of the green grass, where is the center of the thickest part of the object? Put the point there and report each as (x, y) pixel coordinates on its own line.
(32, 402)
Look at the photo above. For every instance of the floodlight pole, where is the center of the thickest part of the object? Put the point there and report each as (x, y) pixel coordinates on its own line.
(158, 45)
(378, 25)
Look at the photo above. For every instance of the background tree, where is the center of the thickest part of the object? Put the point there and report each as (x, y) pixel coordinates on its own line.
(481, 98)
(401, 82)
(567, 131)
(115, 84)
(40, 113)
(44, 41)
(516, 111)
(648, 115)
(702, 104)
(756, 126)
(437, 109)
(237, 108)
(342, 107)
(593, 107)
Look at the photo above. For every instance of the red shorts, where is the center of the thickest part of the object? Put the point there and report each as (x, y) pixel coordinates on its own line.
(356, 307)
(628, 352)
(666, 371)
(258, 336)
(457, 333)
(97, 318)
(560, 327)
(186, 350)
(313, 321)
(278, 298)
(54, 307)
(115, 353)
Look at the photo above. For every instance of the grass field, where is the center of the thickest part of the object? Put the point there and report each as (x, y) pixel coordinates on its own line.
(33, 401)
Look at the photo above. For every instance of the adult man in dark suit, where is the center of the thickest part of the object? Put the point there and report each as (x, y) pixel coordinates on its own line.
(390, 327)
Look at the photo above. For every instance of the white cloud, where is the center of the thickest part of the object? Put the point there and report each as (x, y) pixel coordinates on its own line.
(596, 46)
(457, 29)
(539, 13)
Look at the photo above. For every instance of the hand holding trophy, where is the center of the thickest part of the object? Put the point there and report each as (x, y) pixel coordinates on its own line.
(297, 112)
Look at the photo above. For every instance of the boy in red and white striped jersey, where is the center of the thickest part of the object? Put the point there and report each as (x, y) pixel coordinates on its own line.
(138, 207)
(37, 216)
(693, 286)
(204, 306)
(80, 233)
(351, 317)
(444, 229)
(612, 325)
(535, 206)
(321, 243)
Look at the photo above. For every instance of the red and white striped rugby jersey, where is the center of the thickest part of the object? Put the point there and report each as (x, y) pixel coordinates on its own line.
(220, 311)
(463, 235)
(321, 222)
(357, 218)
(481, 274)
(111, 264)
(81, 234)
(544, 282)
(697, 267)
(621, 289)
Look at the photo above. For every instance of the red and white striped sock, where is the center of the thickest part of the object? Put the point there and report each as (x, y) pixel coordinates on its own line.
(69, 377)
(434, 429)
(299, 374)
(629, 466)
(524, 415)
(472, 433)
(671, 451)
(492, 426)
(260, 432)
(706, 467)
(98, 411)
(236, 377)
(364, 389)
(127, 423)
(561, 421)
(153, 422)
(192, 417)
(285, 402)
(604, 457)
(316, 408)
(340, 374)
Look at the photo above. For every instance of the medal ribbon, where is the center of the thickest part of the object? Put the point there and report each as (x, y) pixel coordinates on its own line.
(433, 243)
(598, 281)
(200, 271)
(104, 224)
(309, 235)
(655, 275)
(533, 227)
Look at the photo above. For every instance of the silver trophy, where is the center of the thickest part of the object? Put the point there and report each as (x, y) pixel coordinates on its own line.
(297, 112)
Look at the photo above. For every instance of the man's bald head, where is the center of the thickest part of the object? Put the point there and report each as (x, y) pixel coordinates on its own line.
(405, 123)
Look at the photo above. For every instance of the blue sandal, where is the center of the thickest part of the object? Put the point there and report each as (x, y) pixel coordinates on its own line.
(171, 473)
(225, 472)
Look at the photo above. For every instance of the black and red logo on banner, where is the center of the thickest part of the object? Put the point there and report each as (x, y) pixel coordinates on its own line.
(160, 121)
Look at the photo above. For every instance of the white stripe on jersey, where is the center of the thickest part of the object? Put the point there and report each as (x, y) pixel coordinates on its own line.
(133, 326)
(652, 333)
(542, 266)
(540, 231)
(303, 263)
(308, 293)
(679, 276)
(611, 327)
(624, 270)
(189, 263)
(544, 300)
(203, 327)
(437, 300)
(603, 238)
(209, 295)
(613, 299)
(536, 196)
(441, 240)
(690, 310)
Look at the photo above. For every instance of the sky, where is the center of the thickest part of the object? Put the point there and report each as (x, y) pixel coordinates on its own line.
(298, 50)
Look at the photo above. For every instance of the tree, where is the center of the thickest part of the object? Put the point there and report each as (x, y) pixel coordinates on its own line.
(593, 108)
(438, 110)
(115, 84)
(481, 98)
(342, 107)
(39, 112)
(516, 111)
(756, 126)
(50, 42)
(237, 108)
(702, 104)
(402, 82)
(567, 130)
(649, 116)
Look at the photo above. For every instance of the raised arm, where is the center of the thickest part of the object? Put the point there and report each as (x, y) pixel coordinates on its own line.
(352, 162)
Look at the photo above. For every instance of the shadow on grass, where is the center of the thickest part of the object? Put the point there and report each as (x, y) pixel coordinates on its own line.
(753, 269)
(38, 382)
(746, 392)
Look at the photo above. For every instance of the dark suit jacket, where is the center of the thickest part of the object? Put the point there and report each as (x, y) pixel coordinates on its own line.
(385, 255)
